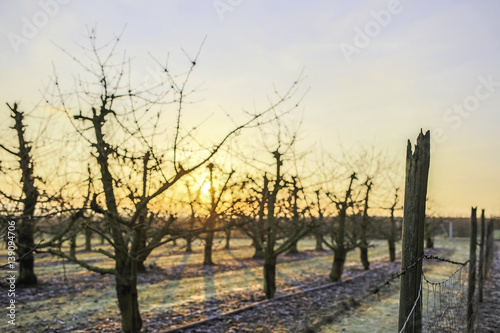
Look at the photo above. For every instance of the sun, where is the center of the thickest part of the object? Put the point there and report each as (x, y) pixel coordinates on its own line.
(205, 187)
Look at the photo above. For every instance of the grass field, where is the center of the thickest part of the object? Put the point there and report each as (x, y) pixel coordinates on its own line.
(79, 296)
(163, 296)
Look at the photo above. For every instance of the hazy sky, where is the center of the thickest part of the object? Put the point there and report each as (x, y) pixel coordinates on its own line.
(377, 71)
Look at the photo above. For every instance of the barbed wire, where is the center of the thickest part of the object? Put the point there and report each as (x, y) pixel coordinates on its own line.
(431, 257)
(407, 268)
(447, 308)
(396, 275)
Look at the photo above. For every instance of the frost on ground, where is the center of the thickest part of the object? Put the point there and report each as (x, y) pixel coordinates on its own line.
(292, 311)
(488, 314)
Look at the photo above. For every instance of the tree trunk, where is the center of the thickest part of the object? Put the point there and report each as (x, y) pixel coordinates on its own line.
(228, 239)
(363, 254)
(126, 292)
(140, 233)
(189, 241)
(269, 254)
(392, 249)
(429, 242)
(26, 276)
(293, 248)
(209, 240)
(269, 275)
(365, 225)
(125, 258)
(210, 223)
(319, 242)
(295, 219)
(141, 268)
(392, 234)
(259, 250)
(72, 246)
(25, 228)
(88, 239)
(340, 251)
(339, 256)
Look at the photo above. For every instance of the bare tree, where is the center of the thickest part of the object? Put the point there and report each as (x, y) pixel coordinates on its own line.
(192, 219)
(320, 223)
(29, 199)
(295, 214)
(433, 223)
(391, 182)
(340, 243)
(271, 252)
(215, 212)
(35, 202)
(120, 123)
(393, 234)
(256, 202)
(365, 227)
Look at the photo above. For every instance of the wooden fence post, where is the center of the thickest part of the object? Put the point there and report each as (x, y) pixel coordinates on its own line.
(472, 272)
(417, 173)
(490, 248)
(481, 260)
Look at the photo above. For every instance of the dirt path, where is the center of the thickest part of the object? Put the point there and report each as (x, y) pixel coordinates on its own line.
(304, 311)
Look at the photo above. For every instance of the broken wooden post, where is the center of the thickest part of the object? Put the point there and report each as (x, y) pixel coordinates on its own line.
(417, 173)
(472, 272)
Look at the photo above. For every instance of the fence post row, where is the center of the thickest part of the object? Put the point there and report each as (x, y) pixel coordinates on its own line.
(472, 272)
(417, 172)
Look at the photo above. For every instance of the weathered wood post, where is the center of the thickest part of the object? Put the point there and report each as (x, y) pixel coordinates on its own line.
(481, 260)
(490, 248)
(417, 173)
(472, 272)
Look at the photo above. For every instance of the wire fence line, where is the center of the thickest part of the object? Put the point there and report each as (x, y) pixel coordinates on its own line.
(444, 303)
(448, 305)
(443, 297)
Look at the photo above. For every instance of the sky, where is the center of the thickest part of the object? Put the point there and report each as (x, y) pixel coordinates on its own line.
(376, 72)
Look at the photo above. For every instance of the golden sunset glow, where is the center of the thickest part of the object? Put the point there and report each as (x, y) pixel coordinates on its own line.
(205, 187)
(201, 156)
(365, 86)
